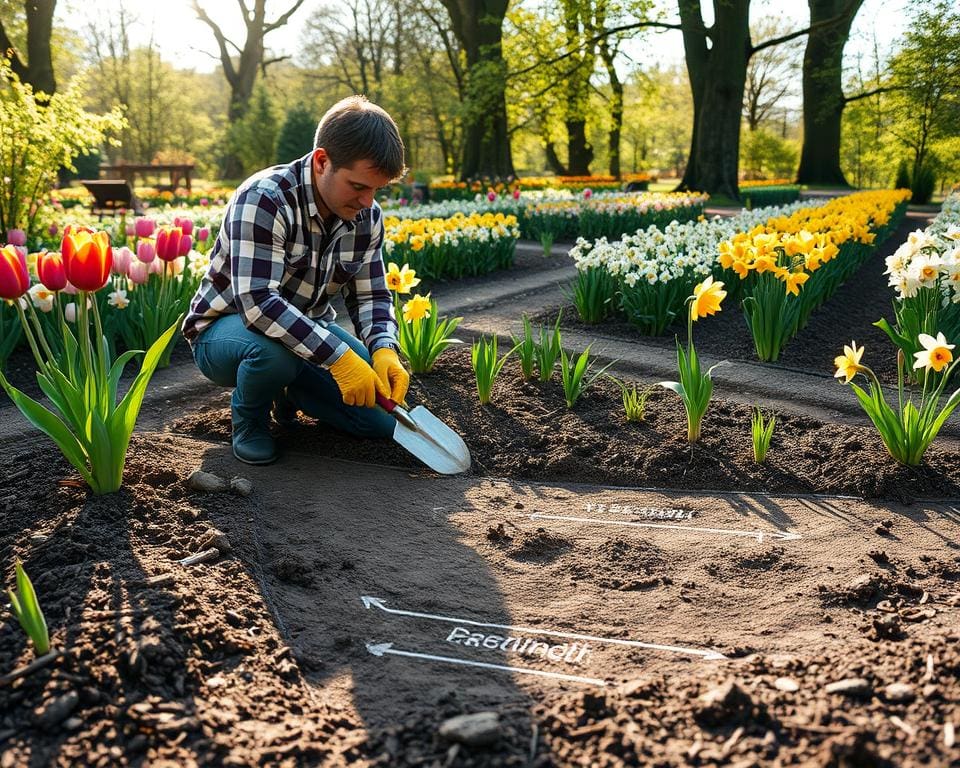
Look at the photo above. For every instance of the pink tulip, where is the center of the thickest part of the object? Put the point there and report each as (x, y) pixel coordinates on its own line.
(16, 237)
(51, 271)
(491, 196)
(156, 266)
(121, 260)
(185, 224)
(69, 288)
(131, 230)
(144, 227)
(516, 194)
(587, 193)
(186, 243)
(202, 234)
(53, 229)
(146, 251)
(138, 272)
(169, 240)
(204, 202)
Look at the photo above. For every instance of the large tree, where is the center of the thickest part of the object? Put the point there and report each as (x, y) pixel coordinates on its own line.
(926, 82)
(717, 58)
(823, 99)
(478, 26)
(241, 70)
(37, 69)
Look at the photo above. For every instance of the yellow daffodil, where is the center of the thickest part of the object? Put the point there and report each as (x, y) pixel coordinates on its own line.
(401, 279)
(935, 354)
(794, 280)
(848, 364)
(393, 279)
(706, 299)
(741, 268)
(417, 308)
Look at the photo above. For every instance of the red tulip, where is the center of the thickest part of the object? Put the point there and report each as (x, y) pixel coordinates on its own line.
(14, 277)
(87, 257)
(51, 271)
(168, 242)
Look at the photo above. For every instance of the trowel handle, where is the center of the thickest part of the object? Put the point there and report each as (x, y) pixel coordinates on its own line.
(397, 411)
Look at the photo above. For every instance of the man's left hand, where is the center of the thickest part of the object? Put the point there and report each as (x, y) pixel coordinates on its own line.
(391, 373)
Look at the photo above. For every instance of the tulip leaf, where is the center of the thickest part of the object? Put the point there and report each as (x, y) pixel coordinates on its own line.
(52, 426)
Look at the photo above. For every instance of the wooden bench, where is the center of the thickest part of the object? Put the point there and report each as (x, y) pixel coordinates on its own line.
(111, 195)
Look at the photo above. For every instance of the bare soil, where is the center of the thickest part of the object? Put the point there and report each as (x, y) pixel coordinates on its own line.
(267, 653)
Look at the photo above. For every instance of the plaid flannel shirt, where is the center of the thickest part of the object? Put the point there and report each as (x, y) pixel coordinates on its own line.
(276, 264)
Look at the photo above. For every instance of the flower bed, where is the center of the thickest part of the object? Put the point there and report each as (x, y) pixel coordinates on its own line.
(655, 269)
(451, 247)
(649, 274)
(925, 273)
(814, 248)
(754, 196)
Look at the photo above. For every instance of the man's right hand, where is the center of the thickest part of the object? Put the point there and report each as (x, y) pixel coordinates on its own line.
(358, 382)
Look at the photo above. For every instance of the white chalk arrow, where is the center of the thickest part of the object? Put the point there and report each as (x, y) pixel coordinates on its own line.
(376, 602)
(758, 535)
(381, 649)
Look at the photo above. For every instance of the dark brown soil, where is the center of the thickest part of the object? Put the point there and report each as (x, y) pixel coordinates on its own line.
(258, 657)
(847, 316)
(528, 432)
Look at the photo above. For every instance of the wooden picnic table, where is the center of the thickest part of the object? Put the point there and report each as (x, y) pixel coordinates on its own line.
(179, 172)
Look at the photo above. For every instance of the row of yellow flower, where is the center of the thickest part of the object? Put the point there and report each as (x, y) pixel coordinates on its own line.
(751, 183)
(815, 234)
(814, 248)
(452, 247)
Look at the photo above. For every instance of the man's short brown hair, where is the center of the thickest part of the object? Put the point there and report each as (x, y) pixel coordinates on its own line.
(355, 129)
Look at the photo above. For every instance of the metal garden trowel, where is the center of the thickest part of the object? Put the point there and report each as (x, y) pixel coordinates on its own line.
(427, 438)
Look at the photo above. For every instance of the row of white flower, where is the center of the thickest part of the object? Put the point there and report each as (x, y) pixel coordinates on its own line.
(607, 202)
(930, 257)
(660, 255)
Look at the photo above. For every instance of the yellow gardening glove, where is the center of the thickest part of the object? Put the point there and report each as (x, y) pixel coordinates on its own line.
(391, 372)
(358, 382)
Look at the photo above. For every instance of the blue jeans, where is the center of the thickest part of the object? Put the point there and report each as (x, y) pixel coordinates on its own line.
(231, 355)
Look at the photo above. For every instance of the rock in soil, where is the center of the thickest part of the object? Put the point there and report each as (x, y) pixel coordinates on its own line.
(57, 710)
(205, 482)
(851, 686)
(475, 730)
(899, 692)
(241, 486)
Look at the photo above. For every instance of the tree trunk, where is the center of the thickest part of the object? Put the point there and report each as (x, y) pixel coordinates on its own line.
(553, 160)
(38, 69)
(616, 116)
(717, 77)
(823, 99)
(579, 151)
(243, 75)
(696, 54)
(478, 27)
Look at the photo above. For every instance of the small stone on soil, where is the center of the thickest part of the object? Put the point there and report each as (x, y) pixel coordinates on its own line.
(241, 486)
(215, 538)
(899, 692)
(851, 686)
(205, 482)
(475, 730)
(786, 685)
(57, 710)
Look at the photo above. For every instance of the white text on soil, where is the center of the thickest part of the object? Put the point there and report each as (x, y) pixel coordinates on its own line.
(571, 653)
